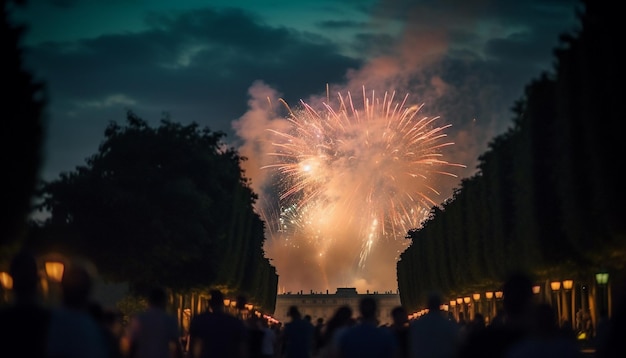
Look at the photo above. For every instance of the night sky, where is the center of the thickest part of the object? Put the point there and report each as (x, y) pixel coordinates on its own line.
(215, 63)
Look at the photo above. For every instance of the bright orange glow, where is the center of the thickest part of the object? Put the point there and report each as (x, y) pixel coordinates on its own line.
(6, 280)
(568, 284)
(353, 175)
(54, 270)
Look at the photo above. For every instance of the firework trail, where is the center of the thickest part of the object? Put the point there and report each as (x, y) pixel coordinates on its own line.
(354, 175)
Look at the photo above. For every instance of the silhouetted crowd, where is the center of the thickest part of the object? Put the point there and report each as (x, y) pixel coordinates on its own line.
(78, 327)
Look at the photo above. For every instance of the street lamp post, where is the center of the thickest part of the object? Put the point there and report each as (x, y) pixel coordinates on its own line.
(490, 304)
(467, 300)
(459, 302)
(476, 298)
(602, 279)
(498, 295)
(453, 306)
(54, 273)
(536, 289)
(556, 286)
(7, 284)
(568, 304)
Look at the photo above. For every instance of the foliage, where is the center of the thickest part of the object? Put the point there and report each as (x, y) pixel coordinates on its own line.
(163, 206)
(546, 199)
(130, 305)
(21, 137)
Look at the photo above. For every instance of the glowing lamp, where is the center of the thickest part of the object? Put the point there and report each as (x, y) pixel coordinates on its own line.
(489, 295)
(54, 270)
(499, 294)
(536, 289)
(602, 278)
(6, 280)
(226, 302)
(555, 285)
(476, 296)
(459, 300)
(568, 284)
(467, 299)
(452, 303)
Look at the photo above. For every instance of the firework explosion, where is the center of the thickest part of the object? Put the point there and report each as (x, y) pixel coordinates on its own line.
(352, 179)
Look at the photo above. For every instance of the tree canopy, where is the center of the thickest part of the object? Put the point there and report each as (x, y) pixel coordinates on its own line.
(168, 205)
(21, 137)
(546, 199)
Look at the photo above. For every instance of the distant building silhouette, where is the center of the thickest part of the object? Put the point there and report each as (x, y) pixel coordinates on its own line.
(324, 305)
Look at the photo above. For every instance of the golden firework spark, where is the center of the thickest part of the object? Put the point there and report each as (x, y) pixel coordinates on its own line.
(371, 168)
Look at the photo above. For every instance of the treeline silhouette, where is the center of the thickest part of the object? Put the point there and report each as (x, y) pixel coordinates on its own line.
(546, 198)
(169, 204)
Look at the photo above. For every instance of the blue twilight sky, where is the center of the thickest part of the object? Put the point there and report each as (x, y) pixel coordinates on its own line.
(218, 62)
(467, 61)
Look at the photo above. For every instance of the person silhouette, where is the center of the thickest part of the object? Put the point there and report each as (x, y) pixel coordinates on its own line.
(496, 340)
(73, 331)
(433, 334)
(319, 329)
(268, 344)
(24, 322)
(154, 332)
(400, 329)
(545, 339)
(216, 333)
(340, 320)
(366, 338)
(297, 335)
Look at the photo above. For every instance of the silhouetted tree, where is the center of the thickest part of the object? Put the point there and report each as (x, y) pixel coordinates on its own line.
(21, 137)
(546, 198)
(167, 205)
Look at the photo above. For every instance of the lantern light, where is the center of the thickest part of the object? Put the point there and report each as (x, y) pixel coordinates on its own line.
(54, 270)
(568, 284)
(602, 278)
(6, 280)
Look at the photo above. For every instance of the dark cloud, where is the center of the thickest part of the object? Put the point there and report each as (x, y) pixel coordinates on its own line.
(197, 66)
(341, 24)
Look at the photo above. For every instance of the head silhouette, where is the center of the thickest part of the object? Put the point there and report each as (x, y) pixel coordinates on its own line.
(434, 301)
(216, 302)
(517, 294)
(399, 315)
(368, 307)
(294, 313)
(157, 297)
(77, 284)
(25, 275)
